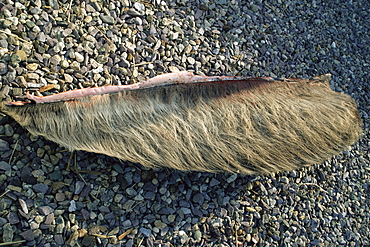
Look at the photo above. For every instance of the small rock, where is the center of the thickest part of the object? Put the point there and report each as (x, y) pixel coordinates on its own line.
(3, 221)
(60, 196)
(133, 12)
(85, 214)
(45, 210)
(32, 66)
(197, 235)
(75, 65)
(254, 8)
(8, 233)
(59, 239)
(3, 69)
(13, 218)
(56, 175)
(284, 180)
(107, 19)
(139, 6)
(21, 81)
(67, 32)
(21, 54)
(4, 145)
(49, 219)
(9, 131)
(171, 218)
(131, 191)
(79, 57)
(68, 78)
(56, 59)
(15, 59)
(159, 224)
(186, 210)
(23, 205)
(146, 232)
(3, 165)
(104, 209)
(87, 240)
(32, 76)
(41, 188)
(28, 235)
(231, 178)
(78, 187)
(72, 206)
(191, 60)
(198, 198)
(27, 177)
(214, 182)
(183, 237)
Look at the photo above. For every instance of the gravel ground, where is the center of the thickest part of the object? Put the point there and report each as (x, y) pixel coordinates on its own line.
(49, 197)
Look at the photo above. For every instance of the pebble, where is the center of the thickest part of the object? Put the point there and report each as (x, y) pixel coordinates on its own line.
(79, 187)
(3, 68)
(8, 233)
(79, 57)
(4, 166)
(4, 145)
(28, 235)
(45, 210)
(41, 188)
(23, 205)
(146, 232)
(72, 206)
(107, 19)
(9, 131)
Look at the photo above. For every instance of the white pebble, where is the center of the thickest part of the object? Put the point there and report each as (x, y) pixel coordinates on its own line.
(79, 57)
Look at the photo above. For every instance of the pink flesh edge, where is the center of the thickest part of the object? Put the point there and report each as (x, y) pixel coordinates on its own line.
(183, 77)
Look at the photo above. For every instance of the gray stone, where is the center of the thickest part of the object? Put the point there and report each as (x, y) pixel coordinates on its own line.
(49, 219)
(9, 131)
(4, 43)
(3, 69)
(198, 198)
(59, 239)
(78, 187)
(214, 182)
(131, 191)
(55, 176)
(13, 218)
(60, 196)
(72, 206)
(146, 232)
(107, 19)
(45, 210)
(4, 166)
(4, 145)
(54, 4)
(104, 209)
(3, 221)
(8, 232)
(133, 12)
(28, 235)
(41, 188)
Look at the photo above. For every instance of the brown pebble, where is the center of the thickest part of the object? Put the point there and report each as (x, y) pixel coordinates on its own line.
(47, 88)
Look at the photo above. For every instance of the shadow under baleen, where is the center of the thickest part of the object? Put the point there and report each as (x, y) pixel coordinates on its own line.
(243, 126)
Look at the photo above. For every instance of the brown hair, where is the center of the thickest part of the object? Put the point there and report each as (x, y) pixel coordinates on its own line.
(247, 126)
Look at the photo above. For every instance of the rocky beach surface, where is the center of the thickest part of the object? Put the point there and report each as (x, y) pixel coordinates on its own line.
(51, 197)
